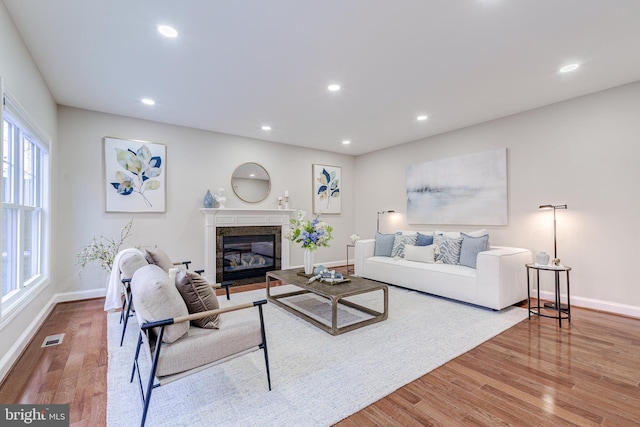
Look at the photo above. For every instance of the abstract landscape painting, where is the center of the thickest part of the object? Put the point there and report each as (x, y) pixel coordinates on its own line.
(465, 190)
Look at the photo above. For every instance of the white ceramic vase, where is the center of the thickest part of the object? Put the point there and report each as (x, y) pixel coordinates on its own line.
(542, 258)
(308, 261)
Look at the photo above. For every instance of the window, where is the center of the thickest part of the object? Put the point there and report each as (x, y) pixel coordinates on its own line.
(24, 203)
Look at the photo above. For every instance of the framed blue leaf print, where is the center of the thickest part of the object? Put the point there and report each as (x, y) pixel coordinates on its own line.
(327, 189)
(134, 173)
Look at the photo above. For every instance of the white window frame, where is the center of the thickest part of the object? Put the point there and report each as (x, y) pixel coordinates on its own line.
(27, 290)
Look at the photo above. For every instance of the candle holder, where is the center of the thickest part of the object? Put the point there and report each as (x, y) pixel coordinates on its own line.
(279, 202)
(286, 202)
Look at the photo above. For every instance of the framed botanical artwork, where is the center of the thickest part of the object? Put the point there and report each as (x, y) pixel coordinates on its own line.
(327, 189)
(135, 175)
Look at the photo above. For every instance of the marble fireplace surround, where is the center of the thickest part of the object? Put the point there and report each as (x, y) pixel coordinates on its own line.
(238, 217)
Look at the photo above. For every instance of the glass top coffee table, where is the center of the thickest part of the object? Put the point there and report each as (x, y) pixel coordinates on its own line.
(336, 295)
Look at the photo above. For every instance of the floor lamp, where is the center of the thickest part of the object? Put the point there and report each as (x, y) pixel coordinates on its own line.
(382, 213)
(556, 260)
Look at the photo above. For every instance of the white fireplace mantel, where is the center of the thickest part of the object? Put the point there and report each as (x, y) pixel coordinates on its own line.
(241, 217)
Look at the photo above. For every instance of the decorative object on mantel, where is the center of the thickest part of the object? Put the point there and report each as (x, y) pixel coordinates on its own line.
(542, 258)
(103, 249)
(311, 233)
(286, 199)
(221, 198)
(327, 192)
(468, 190)
(208, 200)
(279, 202)
(381, 213)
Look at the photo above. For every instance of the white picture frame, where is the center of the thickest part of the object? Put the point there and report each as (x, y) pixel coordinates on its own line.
(134, 175)
(327, 189)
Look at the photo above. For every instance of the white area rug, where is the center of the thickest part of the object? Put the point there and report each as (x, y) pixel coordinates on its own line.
(317, 379)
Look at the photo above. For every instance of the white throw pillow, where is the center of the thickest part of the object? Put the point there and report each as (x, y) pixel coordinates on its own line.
(420, 253)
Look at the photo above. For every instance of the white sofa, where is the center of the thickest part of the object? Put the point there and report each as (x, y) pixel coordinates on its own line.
(498, 281)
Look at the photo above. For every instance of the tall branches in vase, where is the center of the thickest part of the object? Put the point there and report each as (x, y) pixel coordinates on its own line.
(103, 250)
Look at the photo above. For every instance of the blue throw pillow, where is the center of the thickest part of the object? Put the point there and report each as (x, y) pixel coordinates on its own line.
(384, 244)
(424, 240)
(470, 247)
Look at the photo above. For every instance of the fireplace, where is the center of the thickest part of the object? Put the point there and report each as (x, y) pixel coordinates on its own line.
(245, 254)
(219, 223)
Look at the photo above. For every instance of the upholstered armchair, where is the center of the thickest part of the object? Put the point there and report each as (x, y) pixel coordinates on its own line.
(168, 310)
(130, 260)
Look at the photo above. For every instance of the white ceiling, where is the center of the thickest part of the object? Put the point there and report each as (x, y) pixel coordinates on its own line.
(240, 64)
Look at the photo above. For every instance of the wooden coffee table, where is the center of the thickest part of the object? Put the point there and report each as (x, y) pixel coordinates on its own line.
(336, 294)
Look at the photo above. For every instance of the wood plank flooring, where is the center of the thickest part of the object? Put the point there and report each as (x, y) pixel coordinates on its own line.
(587, 373)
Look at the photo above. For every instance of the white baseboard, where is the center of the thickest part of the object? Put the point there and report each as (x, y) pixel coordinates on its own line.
(594, 304)
(79, 295)
(12, 356)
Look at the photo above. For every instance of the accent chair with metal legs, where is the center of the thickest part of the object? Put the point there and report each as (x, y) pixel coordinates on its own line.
(130, 261)
(176, 349)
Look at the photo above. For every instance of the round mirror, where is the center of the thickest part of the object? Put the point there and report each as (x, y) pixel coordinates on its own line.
(251, 182)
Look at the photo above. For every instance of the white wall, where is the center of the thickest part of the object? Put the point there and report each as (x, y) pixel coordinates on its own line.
(21, 76)
(196, 161)
(583, 152)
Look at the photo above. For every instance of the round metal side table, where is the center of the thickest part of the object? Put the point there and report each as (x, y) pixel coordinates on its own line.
(562, 311)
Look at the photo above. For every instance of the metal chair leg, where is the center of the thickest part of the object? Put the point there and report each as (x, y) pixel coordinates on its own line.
(264, 346)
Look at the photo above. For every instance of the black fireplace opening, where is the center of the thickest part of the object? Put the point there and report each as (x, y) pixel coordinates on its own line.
(248, 256)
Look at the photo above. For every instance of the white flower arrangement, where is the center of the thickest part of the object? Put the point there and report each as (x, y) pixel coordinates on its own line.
(354, 238)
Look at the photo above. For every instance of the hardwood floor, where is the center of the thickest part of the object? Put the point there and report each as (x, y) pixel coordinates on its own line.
(586, 374)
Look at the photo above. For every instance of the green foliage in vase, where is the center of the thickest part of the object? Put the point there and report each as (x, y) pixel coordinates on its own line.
(103, 250)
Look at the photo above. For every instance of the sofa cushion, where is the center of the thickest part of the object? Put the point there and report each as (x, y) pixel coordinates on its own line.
(451, 234)
(130, 262)
(384, 244)
(199, 296)
(424, 239)
(470, 247)
(476, 233)
(420, 253)
(160, 258)
(156, 298)
(449, 249)
(399, 243)
(239, 330)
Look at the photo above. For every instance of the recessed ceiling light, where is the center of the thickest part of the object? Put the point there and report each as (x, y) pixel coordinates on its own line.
(346, 142)
(252, 175)
(266, 127)
(569, 68)
(422, 117)
(333, 87)
(167, 31)
(148, 101)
